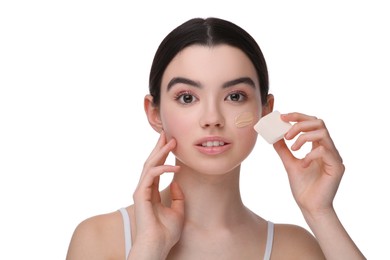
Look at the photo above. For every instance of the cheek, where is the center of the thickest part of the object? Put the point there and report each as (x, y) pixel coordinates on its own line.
(179, 126)
(246, 119)
(246, 144)
(175, 124)
(243, 124)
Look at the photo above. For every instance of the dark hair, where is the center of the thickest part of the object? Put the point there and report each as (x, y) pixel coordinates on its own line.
(208, 32)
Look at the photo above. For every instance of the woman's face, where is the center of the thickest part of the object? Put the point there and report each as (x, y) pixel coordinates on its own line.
(210, 101)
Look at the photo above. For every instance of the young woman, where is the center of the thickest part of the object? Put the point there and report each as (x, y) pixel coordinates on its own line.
(208, 88)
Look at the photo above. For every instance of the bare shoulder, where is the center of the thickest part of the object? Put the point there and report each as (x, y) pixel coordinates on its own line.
(98, 237)
(296, 242)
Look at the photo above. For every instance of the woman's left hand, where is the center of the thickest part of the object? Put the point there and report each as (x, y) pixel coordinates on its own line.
(314, 179)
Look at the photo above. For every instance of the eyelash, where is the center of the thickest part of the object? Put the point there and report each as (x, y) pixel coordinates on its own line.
(179, 95)
(241, 93)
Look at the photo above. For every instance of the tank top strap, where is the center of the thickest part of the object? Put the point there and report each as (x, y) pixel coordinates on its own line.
(270, 239)
(127, 230)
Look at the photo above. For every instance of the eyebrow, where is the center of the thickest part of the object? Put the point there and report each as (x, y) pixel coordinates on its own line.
(181, 80)
(242, 80)
(230, 83)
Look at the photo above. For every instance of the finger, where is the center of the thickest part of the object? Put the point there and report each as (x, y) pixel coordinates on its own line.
(284, 153)
(314, 131)
(313, 136)
(177, 196)
(297, 117)
(328, 160)
(304, 126)
(318, 137)
(151, 174)
(155, 190)
(159, 156)
(160, 143)
(145, 186)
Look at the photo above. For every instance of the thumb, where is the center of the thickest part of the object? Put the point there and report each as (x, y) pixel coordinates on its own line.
(284, 153)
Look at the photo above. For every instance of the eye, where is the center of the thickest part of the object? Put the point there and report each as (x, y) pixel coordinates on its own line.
(185, 98)
(236, 97)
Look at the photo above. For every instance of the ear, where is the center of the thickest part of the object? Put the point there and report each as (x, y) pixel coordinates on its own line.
(153, 113)
(269, 106)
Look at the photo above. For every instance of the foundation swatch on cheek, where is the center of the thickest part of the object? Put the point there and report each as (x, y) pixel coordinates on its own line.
(244, 119)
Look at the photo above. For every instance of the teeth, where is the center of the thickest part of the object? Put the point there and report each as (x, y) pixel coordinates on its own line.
(213, 143)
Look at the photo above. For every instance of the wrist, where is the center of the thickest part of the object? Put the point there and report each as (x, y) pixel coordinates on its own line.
(318, 212)
(321, 219)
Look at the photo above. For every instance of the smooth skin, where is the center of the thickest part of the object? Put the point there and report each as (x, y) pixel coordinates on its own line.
(201, 214)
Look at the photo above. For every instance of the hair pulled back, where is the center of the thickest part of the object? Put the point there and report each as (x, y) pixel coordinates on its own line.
(206, 32)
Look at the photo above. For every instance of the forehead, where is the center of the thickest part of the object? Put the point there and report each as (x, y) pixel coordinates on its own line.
(207, 64)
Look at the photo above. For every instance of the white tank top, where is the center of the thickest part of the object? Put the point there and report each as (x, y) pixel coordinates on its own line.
(127, 231)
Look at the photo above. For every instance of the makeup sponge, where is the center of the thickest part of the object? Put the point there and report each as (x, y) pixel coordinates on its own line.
(271, 127)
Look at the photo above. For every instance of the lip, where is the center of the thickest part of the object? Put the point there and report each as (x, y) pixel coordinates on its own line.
(212, 150)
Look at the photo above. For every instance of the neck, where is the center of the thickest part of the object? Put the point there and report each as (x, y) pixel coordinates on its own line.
(210, 201)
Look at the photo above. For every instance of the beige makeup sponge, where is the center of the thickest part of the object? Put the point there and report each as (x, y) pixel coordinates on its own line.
(271, 127)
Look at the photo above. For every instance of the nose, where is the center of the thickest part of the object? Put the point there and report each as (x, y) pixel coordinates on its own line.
(212, 117)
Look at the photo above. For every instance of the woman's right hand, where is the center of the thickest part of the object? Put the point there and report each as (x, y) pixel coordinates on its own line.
(158, 227)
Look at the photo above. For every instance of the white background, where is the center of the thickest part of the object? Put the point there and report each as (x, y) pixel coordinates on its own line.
(74, 136)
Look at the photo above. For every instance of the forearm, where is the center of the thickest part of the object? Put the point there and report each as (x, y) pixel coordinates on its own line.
(146, 253)
(332, 236)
